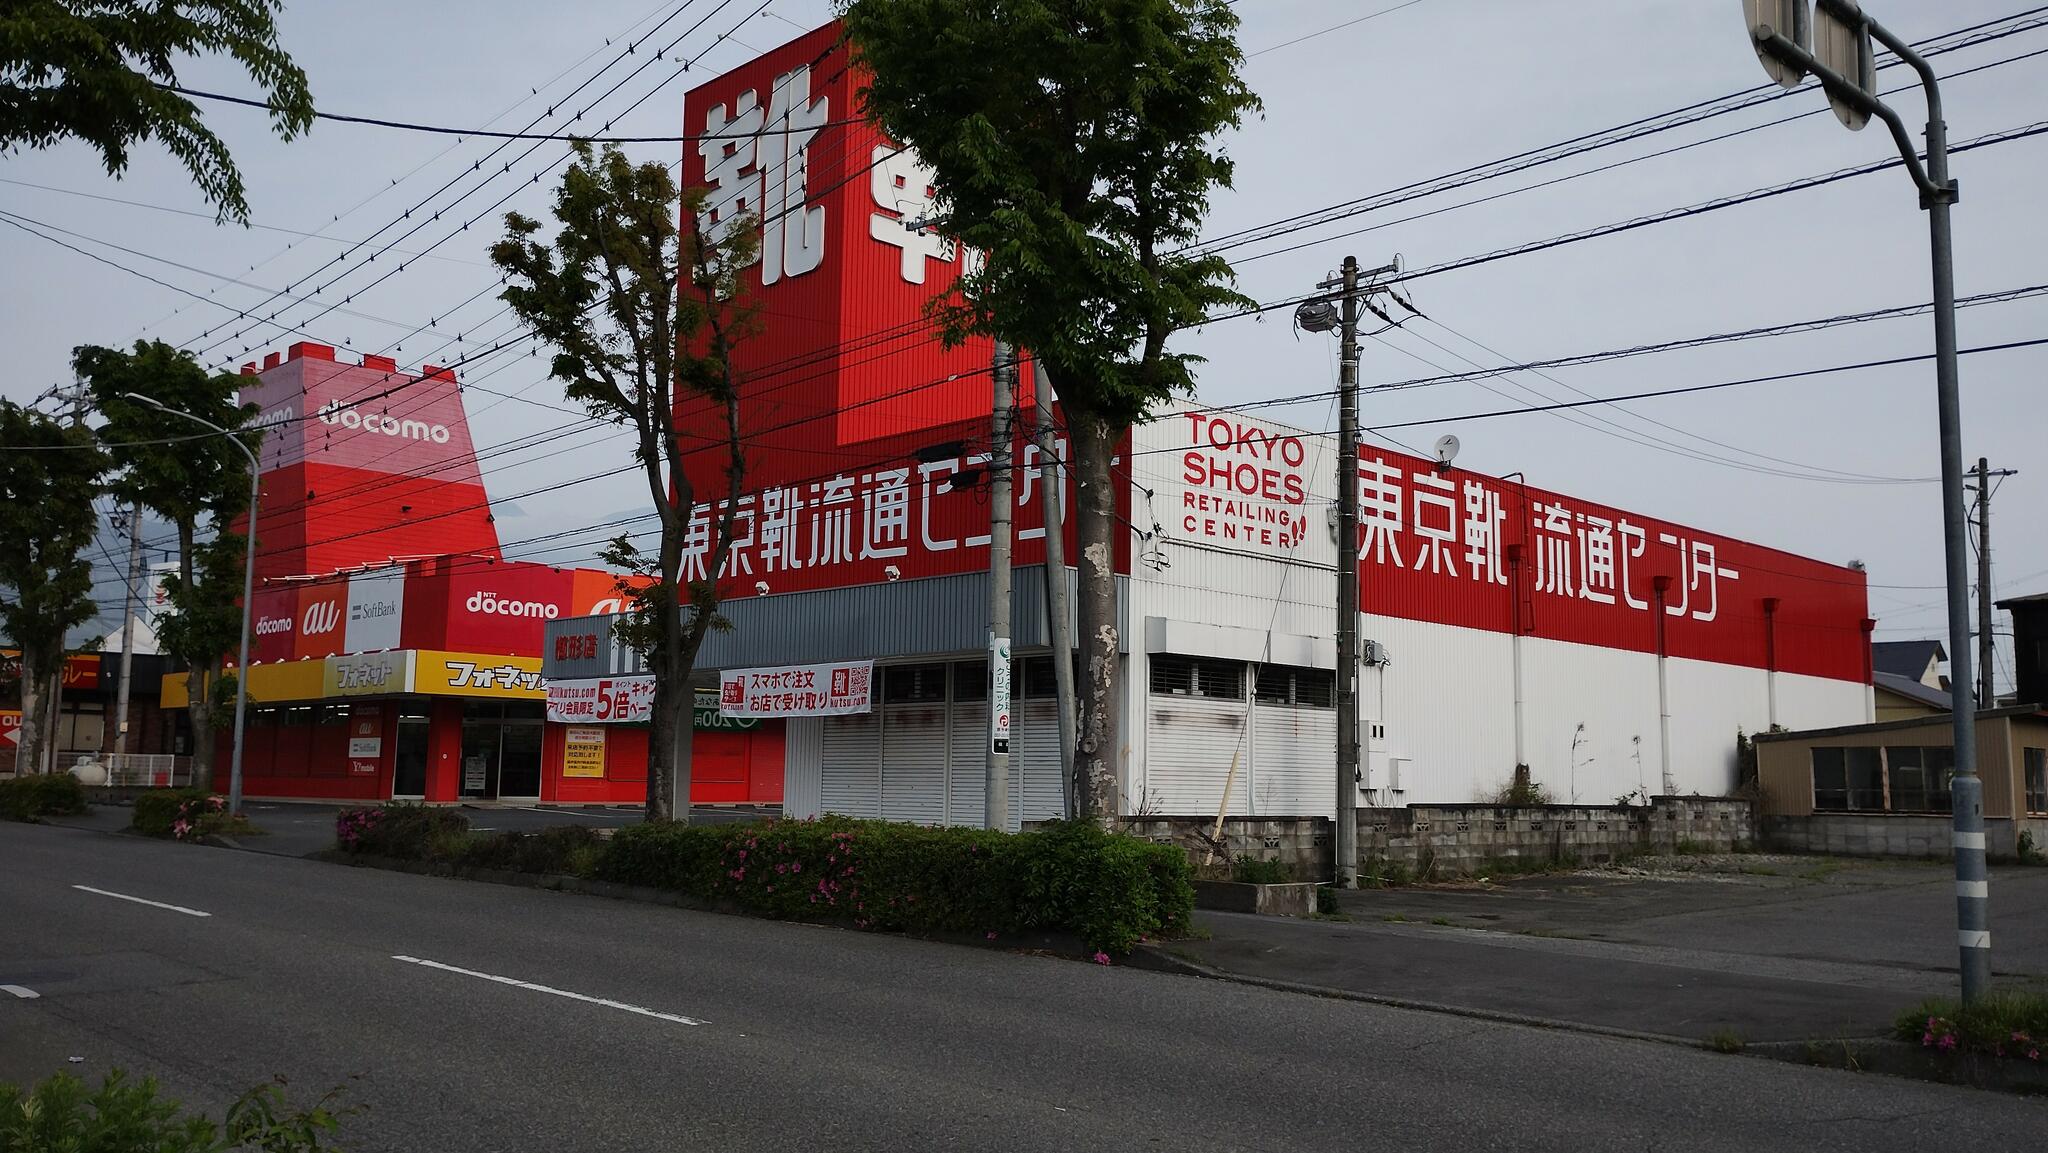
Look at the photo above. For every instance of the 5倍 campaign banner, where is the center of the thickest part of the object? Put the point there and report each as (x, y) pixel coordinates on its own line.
(798, 690)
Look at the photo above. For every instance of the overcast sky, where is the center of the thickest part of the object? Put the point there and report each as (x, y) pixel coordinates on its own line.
(1837, 466)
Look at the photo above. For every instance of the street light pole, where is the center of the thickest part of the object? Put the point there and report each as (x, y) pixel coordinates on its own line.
(1938, 193)
(248, 597)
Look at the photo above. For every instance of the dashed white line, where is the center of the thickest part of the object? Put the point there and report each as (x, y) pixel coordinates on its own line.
(142, 901)
(518, 984)
(21, 991)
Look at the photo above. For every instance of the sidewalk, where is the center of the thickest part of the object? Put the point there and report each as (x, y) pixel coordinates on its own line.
(1685, 994)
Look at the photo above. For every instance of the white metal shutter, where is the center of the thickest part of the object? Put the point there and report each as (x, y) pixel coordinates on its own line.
(1035, 761)
(850, 769)
(967, 767)
(1189, 742)
(1294, 761)
(914, 762)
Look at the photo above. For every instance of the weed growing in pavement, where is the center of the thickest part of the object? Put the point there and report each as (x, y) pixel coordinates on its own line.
(1691, 848)
(1253, 871)
(1381, 873)
(1439, 920)
(2028, 851)
(1725, 1041)
(1394, 918)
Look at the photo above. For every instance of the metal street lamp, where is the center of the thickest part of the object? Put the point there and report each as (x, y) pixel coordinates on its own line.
(248, 596)
(1785, 40)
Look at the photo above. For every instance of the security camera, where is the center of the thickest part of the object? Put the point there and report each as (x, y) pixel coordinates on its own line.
(761, 588)
(893, 573)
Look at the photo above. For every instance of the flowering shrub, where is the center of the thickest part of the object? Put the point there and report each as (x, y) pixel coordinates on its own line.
(406, 832)
(2007, 1025)
(1109, 889)
(185, 815)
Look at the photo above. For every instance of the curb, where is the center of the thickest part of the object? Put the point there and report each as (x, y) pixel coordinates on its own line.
(1159, 960)
(1894, 1058)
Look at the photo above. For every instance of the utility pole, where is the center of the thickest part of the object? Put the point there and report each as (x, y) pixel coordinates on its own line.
(76, 396)
(1781, 32)
(996, 778)
(1987, 691)
(1352, 288)
(1053, 487)
(128, 609)
(1347, 583)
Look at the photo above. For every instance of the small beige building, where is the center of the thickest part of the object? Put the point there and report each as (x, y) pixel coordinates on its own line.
(1883, 789)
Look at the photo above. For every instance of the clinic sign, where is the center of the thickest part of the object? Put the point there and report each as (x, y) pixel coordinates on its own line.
(827, 690)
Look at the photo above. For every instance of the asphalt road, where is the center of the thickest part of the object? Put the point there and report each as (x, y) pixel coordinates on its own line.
(813, 1038)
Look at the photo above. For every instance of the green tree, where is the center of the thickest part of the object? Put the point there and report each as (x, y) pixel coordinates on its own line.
(49, 475)
(96, 70)
(643, 317)
(1076, 143)
(193, 479)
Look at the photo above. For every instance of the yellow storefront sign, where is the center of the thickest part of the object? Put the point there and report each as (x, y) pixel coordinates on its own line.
(478, 675)
(268, 684)
(583, 752)
(367, 674)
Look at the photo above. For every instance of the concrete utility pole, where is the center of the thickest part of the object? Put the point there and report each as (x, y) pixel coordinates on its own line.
(1052, 486)
(996, 779)
(1347, 584)
(76, 396)
(128, 608)
(1987, 690)
(1352, 289)
(1787, 43)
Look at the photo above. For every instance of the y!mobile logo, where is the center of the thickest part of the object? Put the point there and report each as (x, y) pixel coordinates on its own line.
(320, 618)
(382, 423)
(488, 604)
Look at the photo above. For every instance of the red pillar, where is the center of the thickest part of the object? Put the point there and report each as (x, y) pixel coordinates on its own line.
(444, 752)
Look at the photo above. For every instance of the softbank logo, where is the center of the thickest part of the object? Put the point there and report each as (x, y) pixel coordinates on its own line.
(271, 626)
(488, 604)
(320, 618)
(384, 424)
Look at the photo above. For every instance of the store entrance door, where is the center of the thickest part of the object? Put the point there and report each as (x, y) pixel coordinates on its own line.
(501, 752)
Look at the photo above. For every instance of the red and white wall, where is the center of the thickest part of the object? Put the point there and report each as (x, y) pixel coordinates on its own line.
(1459, 569)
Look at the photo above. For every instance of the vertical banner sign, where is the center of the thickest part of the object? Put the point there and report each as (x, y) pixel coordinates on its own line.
(999, 694)
(583, 752)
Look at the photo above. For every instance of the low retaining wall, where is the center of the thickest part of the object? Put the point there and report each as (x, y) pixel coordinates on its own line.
(1881, 835)
(1304, 846)
(1456, 839)
(1467, 838)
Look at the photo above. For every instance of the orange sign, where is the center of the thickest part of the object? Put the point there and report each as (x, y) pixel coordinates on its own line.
(10, 727)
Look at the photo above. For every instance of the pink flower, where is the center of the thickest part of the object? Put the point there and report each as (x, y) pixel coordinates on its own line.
(796, 867)
(1947, 1043)
(991, 934)
(1102, 958)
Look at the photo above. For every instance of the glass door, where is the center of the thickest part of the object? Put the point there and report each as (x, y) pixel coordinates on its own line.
(519, 760)
(480, 759)
(409, 776)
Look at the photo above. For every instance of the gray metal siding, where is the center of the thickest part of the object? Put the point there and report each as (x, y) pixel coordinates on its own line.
(803, 752)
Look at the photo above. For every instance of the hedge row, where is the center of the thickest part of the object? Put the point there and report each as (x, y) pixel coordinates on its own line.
(39, 795)
(1108, 889)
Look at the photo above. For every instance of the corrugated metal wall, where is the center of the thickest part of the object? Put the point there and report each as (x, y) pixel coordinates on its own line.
(851, 766)
(803, 749)
(1189, 745)
(914, 762)
(1293, 761)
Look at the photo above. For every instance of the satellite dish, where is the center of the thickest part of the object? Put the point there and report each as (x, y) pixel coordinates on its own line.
(1787, 18)
(1446, 449)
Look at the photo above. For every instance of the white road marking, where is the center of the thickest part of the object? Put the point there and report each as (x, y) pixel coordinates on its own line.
(141, 901)
(21, 991)
(518, 984)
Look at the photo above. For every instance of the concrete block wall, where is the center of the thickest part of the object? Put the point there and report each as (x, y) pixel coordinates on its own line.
(1463, 839)
(1881, 835)
(1303, 845)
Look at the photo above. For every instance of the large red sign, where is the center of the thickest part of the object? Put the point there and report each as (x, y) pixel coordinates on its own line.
(866, 439)
(1453, 547)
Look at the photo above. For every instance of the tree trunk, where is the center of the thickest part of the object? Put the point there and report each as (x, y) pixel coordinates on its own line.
(35, 703)
(198, 682)
(1097, 759)
(661, 740)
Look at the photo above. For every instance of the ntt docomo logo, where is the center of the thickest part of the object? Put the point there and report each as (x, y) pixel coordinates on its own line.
(382, 423)
(488, 604)
(271, 626)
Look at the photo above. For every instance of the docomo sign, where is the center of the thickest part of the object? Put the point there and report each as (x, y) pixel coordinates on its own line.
(797, 690)
(604, 700)
(407, 428)
(488, 603)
